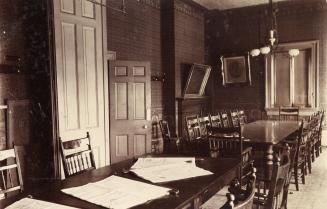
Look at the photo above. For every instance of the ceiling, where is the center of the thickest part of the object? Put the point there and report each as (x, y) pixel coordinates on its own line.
(230, 4)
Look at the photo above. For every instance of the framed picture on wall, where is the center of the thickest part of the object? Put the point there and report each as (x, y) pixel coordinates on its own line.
(235, 69)
(196, 80)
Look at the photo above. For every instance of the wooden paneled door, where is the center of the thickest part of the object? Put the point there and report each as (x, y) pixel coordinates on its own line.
(130, 113)
(80, 73)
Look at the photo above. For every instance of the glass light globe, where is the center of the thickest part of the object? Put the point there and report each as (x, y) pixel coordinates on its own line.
(293, 52)
(255, 52)
(265, 50)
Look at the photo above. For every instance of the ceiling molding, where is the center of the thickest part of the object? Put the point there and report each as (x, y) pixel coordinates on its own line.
(231, 4)
(285, 8)
(152, 3)
(187, 9)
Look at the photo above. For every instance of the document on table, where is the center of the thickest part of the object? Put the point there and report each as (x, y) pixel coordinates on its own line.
(29, 203)
(146, 162)
(117, 193)
(158, 170)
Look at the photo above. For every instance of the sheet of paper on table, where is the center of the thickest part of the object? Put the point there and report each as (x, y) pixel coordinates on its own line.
(158, 170)
(145, 162)
(117, 193)
(29, 203)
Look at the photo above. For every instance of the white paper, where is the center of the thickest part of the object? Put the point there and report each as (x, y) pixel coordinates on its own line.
(117, 193)
(159, 161)
(29, 203)
(158, 170)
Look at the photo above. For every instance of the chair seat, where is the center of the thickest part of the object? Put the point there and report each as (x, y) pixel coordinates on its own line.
(216, 201)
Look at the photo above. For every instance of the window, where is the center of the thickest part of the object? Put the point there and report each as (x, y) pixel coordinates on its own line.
(292, 82)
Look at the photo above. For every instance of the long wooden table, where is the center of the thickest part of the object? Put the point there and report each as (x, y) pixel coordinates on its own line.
(192, 192)
(267, 133)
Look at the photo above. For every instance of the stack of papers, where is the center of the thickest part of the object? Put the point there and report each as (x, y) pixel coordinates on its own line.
(28, 203)
(158, 170)
(117, 193)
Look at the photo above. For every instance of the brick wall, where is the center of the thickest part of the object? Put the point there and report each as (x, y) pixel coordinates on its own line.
(167, 33)
(182, 44)
(11, 28)
(24, 33)
(189, 41)
(137, 36)
(239, 30)
(12, 85)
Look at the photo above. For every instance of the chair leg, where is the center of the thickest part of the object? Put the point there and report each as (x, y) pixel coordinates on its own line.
(305, 166)
(309, 163)
(303, 171)
(296, 178)
(313, 153)
(318, 149)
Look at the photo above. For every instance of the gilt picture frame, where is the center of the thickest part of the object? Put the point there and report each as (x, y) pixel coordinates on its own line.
(235, 70)
(197, 80)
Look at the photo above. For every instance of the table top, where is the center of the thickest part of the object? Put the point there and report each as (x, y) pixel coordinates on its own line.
(268, 131)
(224, 171)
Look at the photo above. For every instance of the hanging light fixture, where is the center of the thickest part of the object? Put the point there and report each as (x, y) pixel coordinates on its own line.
(272, 34)
(272, 40)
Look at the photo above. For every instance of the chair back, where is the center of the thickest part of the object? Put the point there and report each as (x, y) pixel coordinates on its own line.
(171, 143)
(10, 171)
(242, 117)
(165, 131)
(215, 121)
(228, 142)
(193, 128)
(225, 142)
(279, 178)
(234, 119)
(204, 122)
(240, 198)
(288, 113)
(77, 155)
(225, 119)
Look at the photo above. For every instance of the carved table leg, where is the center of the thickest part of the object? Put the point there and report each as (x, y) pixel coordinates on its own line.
(269, 161)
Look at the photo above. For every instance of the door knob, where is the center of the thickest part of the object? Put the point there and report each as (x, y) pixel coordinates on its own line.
(145, 126)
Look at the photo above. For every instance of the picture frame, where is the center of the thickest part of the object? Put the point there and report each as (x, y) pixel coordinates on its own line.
(196, 81)
(235, 70)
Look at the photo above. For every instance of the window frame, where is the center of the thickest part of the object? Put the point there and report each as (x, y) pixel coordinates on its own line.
(313, 74)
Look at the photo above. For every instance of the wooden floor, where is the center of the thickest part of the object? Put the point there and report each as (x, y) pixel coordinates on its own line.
(312, 195)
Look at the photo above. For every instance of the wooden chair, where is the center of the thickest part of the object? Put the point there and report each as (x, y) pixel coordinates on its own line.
(310, 136)
(196, 139)
(170, 143)
(155, 141)
(288, 113)
(272, 193)
(228, 142)
(77, 156)
(298, 158)
(318, 147)
(241, 198)
(11, 174)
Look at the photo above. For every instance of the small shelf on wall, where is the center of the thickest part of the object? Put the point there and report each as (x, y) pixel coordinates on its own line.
(3, 107)
(4, 68)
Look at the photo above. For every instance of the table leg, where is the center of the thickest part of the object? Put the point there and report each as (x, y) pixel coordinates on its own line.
(269, 161)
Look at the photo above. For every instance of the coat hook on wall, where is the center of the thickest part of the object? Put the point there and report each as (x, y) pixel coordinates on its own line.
(158, 77)
(121, 9)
